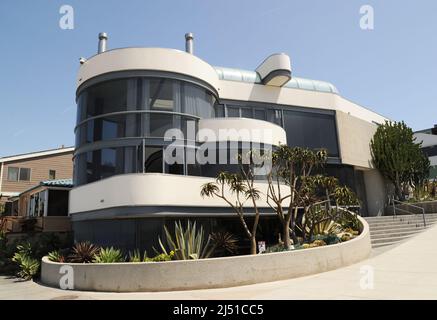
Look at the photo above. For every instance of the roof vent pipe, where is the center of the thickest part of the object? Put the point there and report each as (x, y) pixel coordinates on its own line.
(103, 37)
(189, 37)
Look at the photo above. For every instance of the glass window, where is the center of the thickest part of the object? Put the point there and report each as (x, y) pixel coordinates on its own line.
(107, 97)
(153, 160)
(246, 113)
(311, 130)
(274, 116)
(197, 101)
(99, 164)
(161, 95)
(259, 114)
(219, 111)
(13, 174)
(52, 174)
(110, 127)
(160, 123)
(178, 157)
(233, 112)
(24, 174)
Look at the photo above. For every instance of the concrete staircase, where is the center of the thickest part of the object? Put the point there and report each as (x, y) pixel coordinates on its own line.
(390, 230)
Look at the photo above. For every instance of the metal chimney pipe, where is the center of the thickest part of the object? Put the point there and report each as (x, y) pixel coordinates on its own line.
(103, 37)
(189, 37)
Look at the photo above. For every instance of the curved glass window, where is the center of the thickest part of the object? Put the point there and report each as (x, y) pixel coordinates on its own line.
(102, 163)
(139, 107)
(145, 93)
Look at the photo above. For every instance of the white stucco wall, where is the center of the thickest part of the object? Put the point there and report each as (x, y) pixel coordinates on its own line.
(375, 191)
(158, 59)
(354, 135)
(148, 189)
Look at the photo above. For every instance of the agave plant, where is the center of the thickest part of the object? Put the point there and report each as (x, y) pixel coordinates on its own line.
(56, 256)
(187, 244)
(224, 243)
(84, 252)
(109, 255)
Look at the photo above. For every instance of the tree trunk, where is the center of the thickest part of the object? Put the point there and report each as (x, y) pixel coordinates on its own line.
(253, 245)
(286, 233)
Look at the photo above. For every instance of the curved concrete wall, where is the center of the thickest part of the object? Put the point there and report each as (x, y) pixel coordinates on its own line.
(158, 59)
(147, 189)
(207, 273)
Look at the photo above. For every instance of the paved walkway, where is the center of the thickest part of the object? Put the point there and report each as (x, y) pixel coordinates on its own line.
(408, 271)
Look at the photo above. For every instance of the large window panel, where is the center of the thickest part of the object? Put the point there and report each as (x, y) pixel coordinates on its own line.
(197, 101)
(311, 130)
(161, 95)
(153, 160)
(107, 97)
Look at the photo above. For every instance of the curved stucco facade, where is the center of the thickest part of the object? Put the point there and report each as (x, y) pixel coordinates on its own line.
(353, 128)
(151, 59)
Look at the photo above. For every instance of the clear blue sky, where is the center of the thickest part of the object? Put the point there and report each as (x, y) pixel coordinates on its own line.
(391, 70)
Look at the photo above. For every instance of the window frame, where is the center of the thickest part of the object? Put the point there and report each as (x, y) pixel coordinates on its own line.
(19, 174)
(54, 175)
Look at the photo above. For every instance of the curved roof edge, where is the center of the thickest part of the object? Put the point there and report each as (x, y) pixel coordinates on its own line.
(248, 76)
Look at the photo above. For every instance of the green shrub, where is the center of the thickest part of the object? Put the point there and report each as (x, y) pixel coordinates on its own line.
(276, 248)
(28, 265)
(109, 255)
(7, 250)
(160, 257)
(83, 252)
(329, 239)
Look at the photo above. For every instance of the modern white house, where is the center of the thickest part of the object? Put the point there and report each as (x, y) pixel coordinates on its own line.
(125, 189)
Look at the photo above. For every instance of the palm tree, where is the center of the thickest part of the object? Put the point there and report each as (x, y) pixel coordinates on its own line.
(241, 187)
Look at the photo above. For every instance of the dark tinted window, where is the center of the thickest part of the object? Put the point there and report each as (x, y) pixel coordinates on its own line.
(24, 174)
(233, 112)
(99, 164)
(311, 130)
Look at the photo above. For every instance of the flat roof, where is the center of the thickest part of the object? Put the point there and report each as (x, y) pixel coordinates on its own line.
(240, 75)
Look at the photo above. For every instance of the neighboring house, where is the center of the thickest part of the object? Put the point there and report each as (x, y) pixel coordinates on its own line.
(44, 207)
(125, 190)
(428, 138)
(21, 172)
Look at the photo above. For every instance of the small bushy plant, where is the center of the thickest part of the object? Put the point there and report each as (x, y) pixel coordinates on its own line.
(109, 255)
(28, 265)
(160, 257)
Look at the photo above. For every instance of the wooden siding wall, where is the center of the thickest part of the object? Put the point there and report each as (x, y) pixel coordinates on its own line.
(62, 163)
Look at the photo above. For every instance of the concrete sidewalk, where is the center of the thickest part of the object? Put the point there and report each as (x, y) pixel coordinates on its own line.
(408, 271)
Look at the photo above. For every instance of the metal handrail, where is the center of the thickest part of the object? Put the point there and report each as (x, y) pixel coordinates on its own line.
(408, 205)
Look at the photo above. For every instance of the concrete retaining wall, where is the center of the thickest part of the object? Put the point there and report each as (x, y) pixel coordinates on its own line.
(206, 273)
